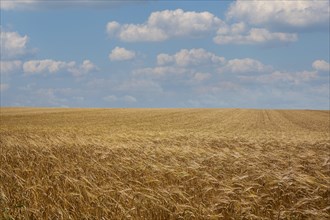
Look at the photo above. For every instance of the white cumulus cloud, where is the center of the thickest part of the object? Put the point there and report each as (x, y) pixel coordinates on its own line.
(162, 25)
(321, 65)
(121, 54)
(281, 13)
(13, 44)
(236, 35)
(199, 77)
(112, 27)
(246, 65)
(198, 65)
(45, 66)
(86, 67)
(191, 66)
(192, 57)
(53, 66)
(161, 72)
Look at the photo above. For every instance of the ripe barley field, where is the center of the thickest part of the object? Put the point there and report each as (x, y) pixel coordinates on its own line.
(164, 164)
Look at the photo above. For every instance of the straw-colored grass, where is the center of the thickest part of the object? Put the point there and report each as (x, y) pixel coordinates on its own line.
(164, 164)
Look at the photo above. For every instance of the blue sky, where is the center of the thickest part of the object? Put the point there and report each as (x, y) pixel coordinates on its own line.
(226, 54)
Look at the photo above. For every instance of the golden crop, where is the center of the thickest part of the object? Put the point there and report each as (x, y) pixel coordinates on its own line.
(164, 164)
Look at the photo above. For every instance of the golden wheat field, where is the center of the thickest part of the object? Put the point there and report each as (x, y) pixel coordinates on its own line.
(164, 164)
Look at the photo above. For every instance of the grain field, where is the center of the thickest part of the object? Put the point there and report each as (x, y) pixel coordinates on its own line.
(164, 164)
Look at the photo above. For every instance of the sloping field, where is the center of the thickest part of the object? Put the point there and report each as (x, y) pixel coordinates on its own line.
(164, 164)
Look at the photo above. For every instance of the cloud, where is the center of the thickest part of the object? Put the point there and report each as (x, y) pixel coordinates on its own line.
(14, 4)
(112, 27)
(162, 25)
(246, 65)
(321, 65)
(121, 54)
(198, 65)
(10, 66)
(292, 78)
(164, 58)
(3, 87)
(235, 35)
(281, 14)
(192, 57)
(86, 67)
(295, 78)
(161, 72)
(187, 66)
(13, 44)
(199, 77)
(43, 66)
(53, 66)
